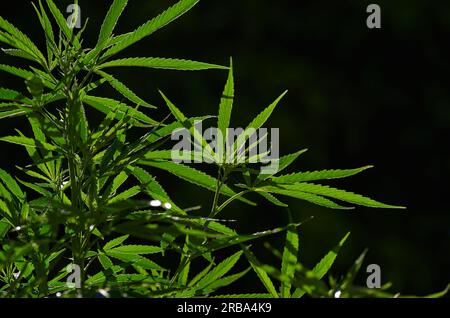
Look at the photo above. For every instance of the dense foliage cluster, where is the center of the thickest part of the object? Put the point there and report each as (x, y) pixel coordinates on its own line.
(89, 198)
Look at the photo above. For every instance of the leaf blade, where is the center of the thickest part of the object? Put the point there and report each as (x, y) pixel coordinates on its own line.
(338, 194)
(261, 273)
(192, 175)
(226, 105)
(162, 63)
(289, 259)
(318, 175)
(219, 271)
(124, 90)
(11, 184)
(110, 21)
(152, 26)
(107, 105)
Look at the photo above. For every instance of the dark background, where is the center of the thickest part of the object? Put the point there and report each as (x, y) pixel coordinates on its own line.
(356, 97)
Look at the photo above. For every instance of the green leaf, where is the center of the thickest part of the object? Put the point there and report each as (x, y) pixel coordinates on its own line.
(62, 22)
(25, 43)
(289, 260)
(176, 112)
(125, 195)
(110, 21)
(124, 90)
(316, 199)
(324, 265)
(220, 270)
(184, 272)
(135, 259)
(152, 25)
(100, 277)
(287, 160)
(4, 228)
(225, 281)
(261, 273)
(327, 261)
(48, 29)
(193, 176)
(250, 296)
(83, 125)
(170, 154)
(107, 105)
(256, 123)
(11, 95)
(36, 124)
(226, 105)
(105, 261)
(353, 271)
(153, 187)
(439, 294)
(118, 181)
(35, 86)
(118, 38)
(37, 175)
(37, 188)
(16, 52)
(11, 184)
(162, 63)
(47, 79)
(265, 114)
(115, 242)
(4, 209)
(16, 71)
(232, 240)
(318, 175)
(283, 163)
(9, 105)
(145, 263)
(271, 198)
(135, 249)
(27, 142)
(12, 113)
(207, 151)
(337, 194)
(168, 129)
(218, 227)
(201, 274)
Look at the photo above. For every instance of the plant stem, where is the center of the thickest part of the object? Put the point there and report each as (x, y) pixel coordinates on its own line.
(231, 199)
(78, 245)
(215, 204)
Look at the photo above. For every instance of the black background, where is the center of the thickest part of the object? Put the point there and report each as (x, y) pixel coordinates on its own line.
(356, 97)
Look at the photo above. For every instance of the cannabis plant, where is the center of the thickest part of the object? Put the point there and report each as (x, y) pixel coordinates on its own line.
(88, 216)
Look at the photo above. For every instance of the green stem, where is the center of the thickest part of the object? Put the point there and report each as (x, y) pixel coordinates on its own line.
(231, 199)
(78, 246)
(215, 204)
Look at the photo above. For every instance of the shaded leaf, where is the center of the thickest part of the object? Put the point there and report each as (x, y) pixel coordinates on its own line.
(261, 273)
(115, 242)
